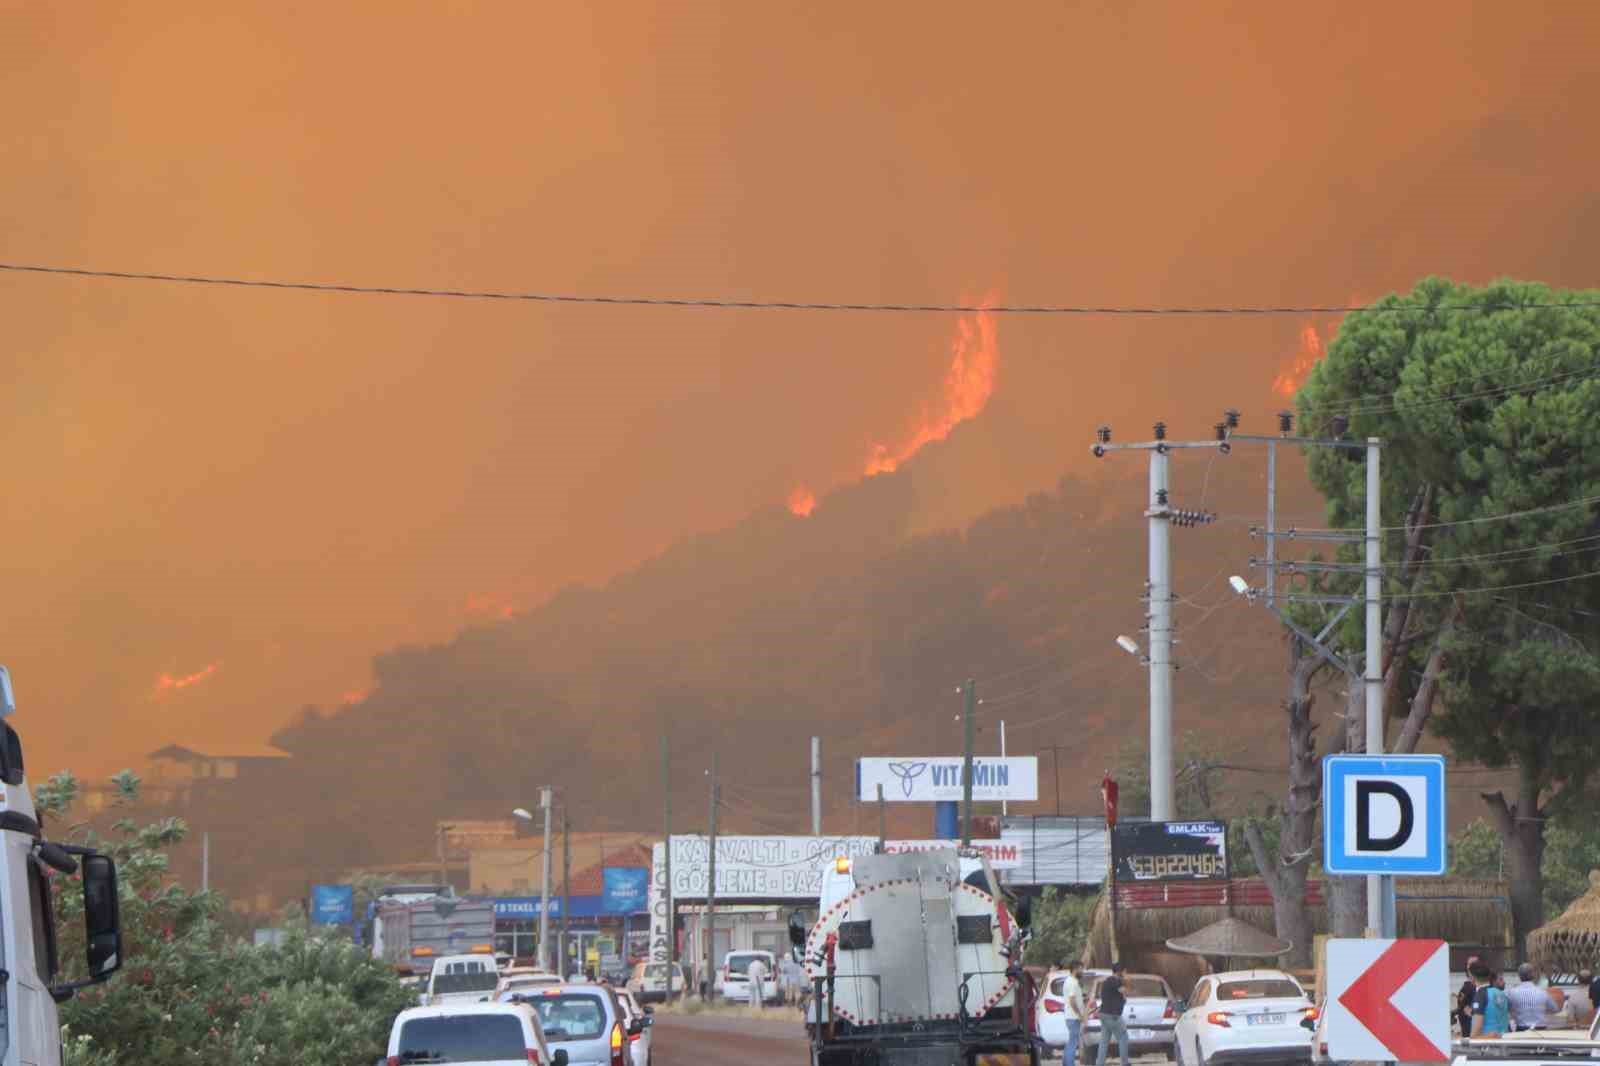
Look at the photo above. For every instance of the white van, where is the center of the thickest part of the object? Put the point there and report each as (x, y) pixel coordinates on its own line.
(734, 980)
(462, 979)
(493, 1034)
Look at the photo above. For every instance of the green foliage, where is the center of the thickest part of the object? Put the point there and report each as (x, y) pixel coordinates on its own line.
(188, 993)
(1061, 922)
(1477, 851)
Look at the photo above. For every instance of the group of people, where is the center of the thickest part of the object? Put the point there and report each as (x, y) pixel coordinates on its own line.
(1112, 1002)
(1487, 1008)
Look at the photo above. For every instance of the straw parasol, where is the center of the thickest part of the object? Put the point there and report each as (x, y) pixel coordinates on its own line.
(1572, 941)
(1230, 938)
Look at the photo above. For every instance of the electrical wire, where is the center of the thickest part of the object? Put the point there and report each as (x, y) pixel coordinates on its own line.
(774, 305)
(1462, 398)
(1583, 501)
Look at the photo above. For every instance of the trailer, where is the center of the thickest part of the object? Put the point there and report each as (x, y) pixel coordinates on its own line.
(411, 935)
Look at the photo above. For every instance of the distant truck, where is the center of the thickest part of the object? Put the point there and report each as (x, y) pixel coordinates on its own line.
(916, 960)
(409, 936)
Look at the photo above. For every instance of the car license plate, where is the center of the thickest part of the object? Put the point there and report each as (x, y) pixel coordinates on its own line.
(1268, 1019)
(1141, 1034)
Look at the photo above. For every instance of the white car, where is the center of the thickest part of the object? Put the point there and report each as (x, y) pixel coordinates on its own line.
(461, 979)
(638, 1024)
(524, 982)
(1246, 1016)
(649, 982)
(493, 1034)
(1051, 1011)
(734, 981)
(1150, 1014)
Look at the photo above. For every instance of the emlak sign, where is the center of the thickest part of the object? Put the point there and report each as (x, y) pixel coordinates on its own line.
(930, 779)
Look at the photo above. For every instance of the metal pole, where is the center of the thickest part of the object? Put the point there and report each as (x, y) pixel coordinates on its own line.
(816, 786)
(544, 884)
(1373, 673)
(711, 889)
(666, 865)
(1004, 807)
(970, 722)
(883, 819)
(1055, 754)
(1272, 525)
(566, 888)
(205, 862)
(1160, 641)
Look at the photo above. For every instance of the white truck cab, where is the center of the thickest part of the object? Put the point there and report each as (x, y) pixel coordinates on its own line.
(30, 1028)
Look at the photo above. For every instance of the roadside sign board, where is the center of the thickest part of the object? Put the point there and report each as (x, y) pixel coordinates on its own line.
(1383, 814)
(928, 779)
(1388, 1000)
(1170, 851)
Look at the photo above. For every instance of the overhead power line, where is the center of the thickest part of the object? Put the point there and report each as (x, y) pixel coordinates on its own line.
(725, 303)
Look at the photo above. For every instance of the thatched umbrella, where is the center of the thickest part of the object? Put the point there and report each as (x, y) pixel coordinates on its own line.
(1571, 942)
(1230, 938)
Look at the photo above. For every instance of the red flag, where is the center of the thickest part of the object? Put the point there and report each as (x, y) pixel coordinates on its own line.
(1108, 793)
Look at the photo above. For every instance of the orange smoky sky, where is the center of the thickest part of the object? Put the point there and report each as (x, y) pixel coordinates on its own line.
(291, 482)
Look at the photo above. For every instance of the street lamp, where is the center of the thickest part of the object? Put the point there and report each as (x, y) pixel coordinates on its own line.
(544, 881)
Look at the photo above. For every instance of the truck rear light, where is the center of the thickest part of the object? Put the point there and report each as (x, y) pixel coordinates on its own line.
(617, 1044)
(1170, 1013)
(1218, 1017)
(1311, 1013)
(1054, 1006)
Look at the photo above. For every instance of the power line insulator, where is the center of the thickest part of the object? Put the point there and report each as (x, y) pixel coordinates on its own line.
(1232, 417)
(1285, 422)
(1104, 433)
(1161, 431)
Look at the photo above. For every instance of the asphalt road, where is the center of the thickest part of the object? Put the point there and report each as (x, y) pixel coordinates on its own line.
(709, 1041)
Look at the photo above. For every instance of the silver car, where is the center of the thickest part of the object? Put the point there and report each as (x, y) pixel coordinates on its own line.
(1150, 1014)
(587, 1022)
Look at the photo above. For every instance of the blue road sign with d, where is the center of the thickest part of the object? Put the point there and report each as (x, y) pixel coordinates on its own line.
(1383, 814)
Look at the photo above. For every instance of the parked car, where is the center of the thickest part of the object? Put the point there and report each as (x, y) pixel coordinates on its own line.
(1246, 1016)
(734, 979)
(494, 1034)
(461, 979)
(585, 1021)
(638, 1035)
(1151, 1013)
(1051, 1012)
(648, 982)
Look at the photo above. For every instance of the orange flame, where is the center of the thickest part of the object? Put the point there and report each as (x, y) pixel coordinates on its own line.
(167, 683)
(1296, 369)
(493, 603)
(802, 501)
(968, 384)
(356, 695)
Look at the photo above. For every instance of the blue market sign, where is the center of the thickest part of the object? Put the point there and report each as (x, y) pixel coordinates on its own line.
(333, 905)
(626, 890)
(523, 906)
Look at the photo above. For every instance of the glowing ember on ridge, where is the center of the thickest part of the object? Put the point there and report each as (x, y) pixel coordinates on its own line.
(968, 384)
(802, 501)
(166, 682)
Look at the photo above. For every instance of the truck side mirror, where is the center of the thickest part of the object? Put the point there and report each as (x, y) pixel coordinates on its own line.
(558, 1057)
(101, 916)
(1025, 912)
(797, 930)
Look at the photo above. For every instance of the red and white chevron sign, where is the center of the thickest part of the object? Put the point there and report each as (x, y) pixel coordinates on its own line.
(1389, 1000)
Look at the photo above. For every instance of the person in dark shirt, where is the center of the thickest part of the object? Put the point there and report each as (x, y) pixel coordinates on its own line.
(1112, 1003)
(1464, 999)
(1594, 989)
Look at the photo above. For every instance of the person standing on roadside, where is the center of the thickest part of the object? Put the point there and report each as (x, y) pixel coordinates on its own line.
(1464, 999)
(1077, 1011)
(756, 975)
(1489, 1015)
(1112, 1004)
(1531, 1006)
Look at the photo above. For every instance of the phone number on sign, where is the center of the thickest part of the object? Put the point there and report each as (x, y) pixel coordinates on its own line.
(1169, 867)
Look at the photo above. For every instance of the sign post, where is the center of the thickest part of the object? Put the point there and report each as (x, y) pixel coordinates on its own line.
(1388, 1000)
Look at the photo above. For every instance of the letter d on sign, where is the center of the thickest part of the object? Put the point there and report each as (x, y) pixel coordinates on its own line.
(1398, 832)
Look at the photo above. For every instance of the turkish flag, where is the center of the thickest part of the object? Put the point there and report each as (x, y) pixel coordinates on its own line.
(1108, 793)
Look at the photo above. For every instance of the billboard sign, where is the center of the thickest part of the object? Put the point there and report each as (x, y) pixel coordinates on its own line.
(929, 779)
(1170, 851)
(1002, 854)
(333, 905)
(626, 889)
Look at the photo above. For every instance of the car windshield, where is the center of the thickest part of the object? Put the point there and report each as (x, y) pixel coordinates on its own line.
(1258, 988)
(462, 1038)
(468, 981)
(1143, 988)
(657, 972)
(575, 1017)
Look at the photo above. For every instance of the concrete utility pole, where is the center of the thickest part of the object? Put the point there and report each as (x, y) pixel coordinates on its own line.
(711, 886)
(1005, 808)
(444, 869)
(205, 862)
(816, 786)
(1380, 890)
(970, 723)
(883, 819)
(666, 863)
(566, 888)
(544, 888)
(1158, 589)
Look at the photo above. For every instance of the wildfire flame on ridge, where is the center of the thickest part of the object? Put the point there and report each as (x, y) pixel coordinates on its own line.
(802, 501)
(1296, 369)
(167, 683)
(968, 384)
